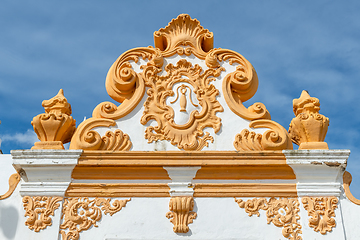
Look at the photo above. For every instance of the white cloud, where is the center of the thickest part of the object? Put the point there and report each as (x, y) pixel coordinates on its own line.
(29, 137)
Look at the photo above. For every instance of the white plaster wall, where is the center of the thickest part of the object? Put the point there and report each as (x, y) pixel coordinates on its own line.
(351, 216)
(232, 124)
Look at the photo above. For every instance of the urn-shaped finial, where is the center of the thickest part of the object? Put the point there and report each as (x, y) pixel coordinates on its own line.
(55, 126)
(308, 129)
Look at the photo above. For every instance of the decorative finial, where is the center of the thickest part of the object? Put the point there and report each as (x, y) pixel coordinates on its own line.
(308, 129)
(55, 126)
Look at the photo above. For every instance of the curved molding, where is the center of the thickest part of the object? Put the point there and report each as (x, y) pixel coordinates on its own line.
(14, 179)
(38, 210)
(79, 214)
(276, 138)
(282, 212)
(124, 85)
(347, 178)
(238, 86)
(87, 138)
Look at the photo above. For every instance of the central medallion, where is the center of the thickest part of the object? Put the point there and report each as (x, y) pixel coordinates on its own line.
(183, 103)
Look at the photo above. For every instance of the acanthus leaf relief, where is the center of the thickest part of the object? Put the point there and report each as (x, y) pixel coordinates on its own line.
(79, 214)
(321, 211)
(181, 214)
(39, 210)
(282, 212)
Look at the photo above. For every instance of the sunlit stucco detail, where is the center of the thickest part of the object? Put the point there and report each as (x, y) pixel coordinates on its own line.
(181, 213)
(55, 126)
(308, 129)
(282, 212)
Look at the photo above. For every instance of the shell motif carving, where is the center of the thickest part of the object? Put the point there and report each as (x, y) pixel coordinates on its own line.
(281, 212)
(181, 214)
(55, 126)
(184, 31)
(276, 138)
(79, 214)
(308, 129)
(321, 211)
(39, 211)
(188, 136)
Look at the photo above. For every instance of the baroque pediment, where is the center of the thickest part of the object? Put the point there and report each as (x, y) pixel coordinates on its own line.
(182, 94)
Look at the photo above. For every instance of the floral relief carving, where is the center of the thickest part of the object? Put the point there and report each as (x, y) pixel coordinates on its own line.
(276, 138)
(181, 214)
(55, 126)
(281, 212)
(39, 211)
(188, 136)
(321, 211)
(79, 214)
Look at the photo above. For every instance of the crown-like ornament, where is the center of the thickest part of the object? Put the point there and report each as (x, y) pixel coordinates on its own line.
(54, 127)
(308, 129)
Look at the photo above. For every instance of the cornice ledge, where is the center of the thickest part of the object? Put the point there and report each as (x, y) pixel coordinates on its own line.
(45, 171)
(331, 158)
(318, 172)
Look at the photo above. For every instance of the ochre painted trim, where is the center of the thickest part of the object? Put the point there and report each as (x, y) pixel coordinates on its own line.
(118, 190)
(14, 179)
(347, 178)
(245, 190)
(246, 172)
(111, 172)
(181, 158)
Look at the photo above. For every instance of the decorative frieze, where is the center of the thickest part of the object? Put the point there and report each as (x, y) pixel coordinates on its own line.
(281, 212)
(181, 214)
(321, 211)
(79, 214)
(39, 211)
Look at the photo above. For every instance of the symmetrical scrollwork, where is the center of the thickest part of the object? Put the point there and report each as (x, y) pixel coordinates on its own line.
(275, 139)
(38, 211)
(238, 86)
(321, 210)
(182, 36)
(181, 213)
(86, 138)
(188, 136)
(14, 179)
(184, 31)
(79, 214)
(55, 126)
(308, 129)
(281, 212)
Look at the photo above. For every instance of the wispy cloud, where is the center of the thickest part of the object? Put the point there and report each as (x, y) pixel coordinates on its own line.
(29, 137)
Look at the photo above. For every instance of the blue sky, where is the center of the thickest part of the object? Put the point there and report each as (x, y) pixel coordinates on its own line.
(293, 45)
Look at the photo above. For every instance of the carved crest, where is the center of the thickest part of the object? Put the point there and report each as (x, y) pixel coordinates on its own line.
(189, 135)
